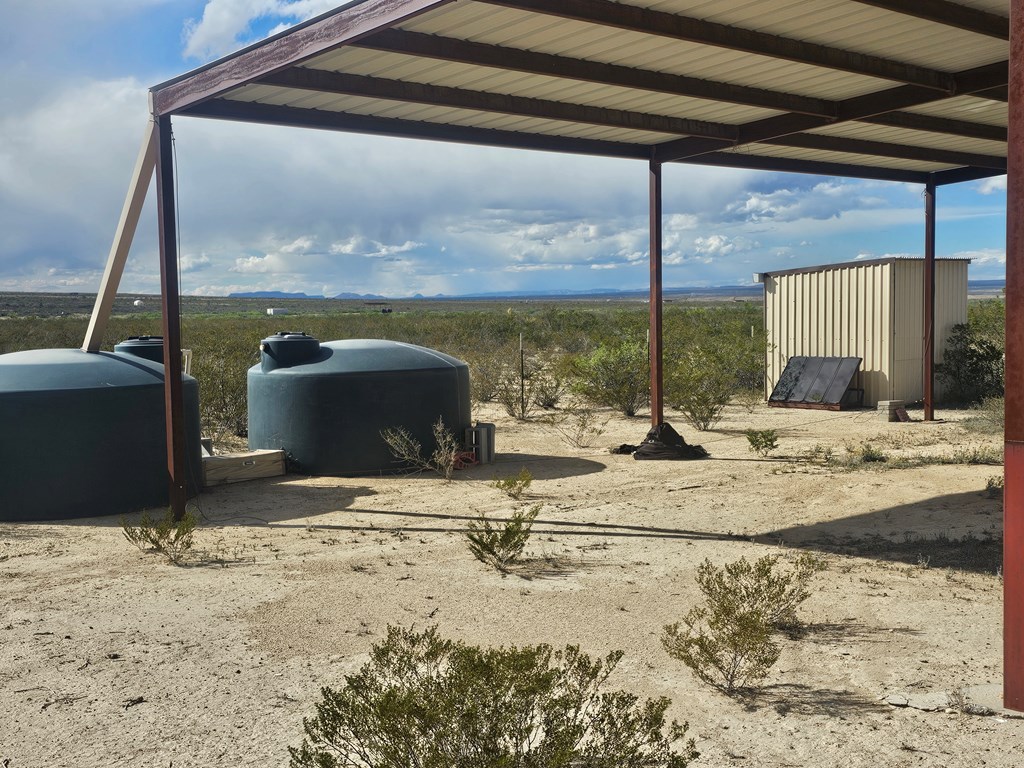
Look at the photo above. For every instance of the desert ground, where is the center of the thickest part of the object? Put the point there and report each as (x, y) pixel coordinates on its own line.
(110, 656)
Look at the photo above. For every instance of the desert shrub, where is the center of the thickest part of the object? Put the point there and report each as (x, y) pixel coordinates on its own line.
(971, 368)
(616, 375)
(712, 355)
(762, 441)
(700, 384)
(408, 450)
(515, 486)
(428, 702)
(485, 371)
(551, 381)
(988, 417)
(501, 545)
(994, 487)
(868, 453)
(578, 425)
(979, 454)
(987, 320)
(749, 398)
(728, 641)
(169, 537)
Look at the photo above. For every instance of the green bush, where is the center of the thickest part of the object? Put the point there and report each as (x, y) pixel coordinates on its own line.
(515, 486)
(501, 546)
(987, 320)
(762, 441)
(989, 416)
(971, 368)
(169, 537)
(615, 375)
(711, 355)
(728, 641)
(578, 425)
(428, 702)
(407, 449)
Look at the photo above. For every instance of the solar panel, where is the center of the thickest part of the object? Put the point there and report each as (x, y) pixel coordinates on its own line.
(816, 382)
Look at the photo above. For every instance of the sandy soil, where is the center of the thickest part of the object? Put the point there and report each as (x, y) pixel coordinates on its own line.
(112, 657)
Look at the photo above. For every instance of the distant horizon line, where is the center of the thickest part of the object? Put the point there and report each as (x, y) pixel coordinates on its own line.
(749, 288)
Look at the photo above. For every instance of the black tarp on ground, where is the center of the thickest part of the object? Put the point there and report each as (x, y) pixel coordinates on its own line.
(663, 442)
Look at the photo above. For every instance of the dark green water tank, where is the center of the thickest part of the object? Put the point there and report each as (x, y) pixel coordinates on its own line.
(147, 347)
(326, 404)
(84, 435)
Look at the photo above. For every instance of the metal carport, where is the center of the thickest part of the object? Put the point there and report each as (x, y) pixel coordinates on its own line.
(901, 90)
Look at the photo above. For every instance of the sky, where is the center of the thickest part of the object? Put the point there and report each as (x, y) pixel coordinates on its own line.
(274, 209)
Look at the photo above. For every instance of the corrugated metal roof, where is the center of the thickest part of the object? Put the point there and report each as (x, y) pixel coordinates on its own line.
(833, 86)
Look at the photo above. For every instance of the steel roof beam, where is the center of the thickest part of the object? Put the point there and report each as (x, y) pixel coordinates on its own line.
(661, 24)
(504, 58)
(459, 98)
(856, 108)
(933, 124)
(270, 114)
(886, 149)
(485, 101)
(950, 14)
(317, 36)
(817, 168)
(958, 175)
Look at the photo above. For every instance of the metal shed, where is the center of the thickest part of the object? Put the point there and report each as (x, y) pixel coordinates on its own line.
(868, 309)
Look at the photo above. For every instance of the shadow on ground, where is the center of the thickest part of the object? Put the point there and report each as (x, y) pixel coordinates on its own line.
(792, 698)
(961, 531)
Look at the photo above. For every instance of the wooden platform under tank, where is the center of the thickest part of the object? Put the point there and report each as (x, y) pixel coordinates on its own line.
(238, 467)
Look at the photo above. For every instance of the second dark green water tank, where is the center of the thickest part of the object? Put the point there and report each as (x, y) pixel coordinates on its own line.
(326, 404)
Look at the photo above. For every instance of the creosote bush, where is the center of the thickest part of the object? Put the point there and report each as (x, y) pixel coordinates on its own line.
(728, 642)
(501, 545)
(426, 702)
(578, 425)
(515, 486)
(169, 537)
(972, 367)
(762, 441)
(615, 375)
(407, 449)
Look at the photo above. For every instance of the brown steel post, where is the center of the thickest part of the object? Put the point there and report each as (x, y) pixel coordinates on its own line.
(1013, 492)
(654, 342)
(929, 300)
(173, 394)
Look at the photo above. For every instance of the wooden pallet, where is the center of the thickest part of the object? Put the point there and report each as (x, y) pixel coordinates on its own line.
(238, 467)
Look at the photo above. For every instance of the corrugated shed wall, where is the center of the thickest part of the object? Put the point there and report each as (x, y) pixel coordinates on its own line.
(839, 312)
(872, 310)
(950, 309)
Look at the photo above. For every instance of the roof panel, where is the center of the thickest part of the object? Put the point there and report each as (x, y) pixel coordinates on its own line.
(623, 79)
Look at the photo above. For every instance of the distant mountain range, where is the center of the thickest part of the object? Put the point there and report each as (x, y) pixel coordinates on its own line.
(729, 290)
(273, 295)
(973, 286)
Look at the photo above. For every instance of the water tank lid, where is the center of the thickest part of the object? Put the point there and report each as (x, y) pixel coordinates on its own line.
(68, 369)
(369, 356)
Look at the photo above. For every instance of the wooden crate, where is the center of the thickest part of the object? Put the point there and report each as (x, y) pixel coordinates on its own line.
(236, 467)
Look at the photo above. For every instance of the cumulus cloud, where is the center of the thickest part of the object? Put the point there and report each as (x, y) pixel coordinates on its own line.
(358, 245)
(983, 257)
(828, 199)
(991, 185)
(230, 24)
(192, 263)
(720, 245)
